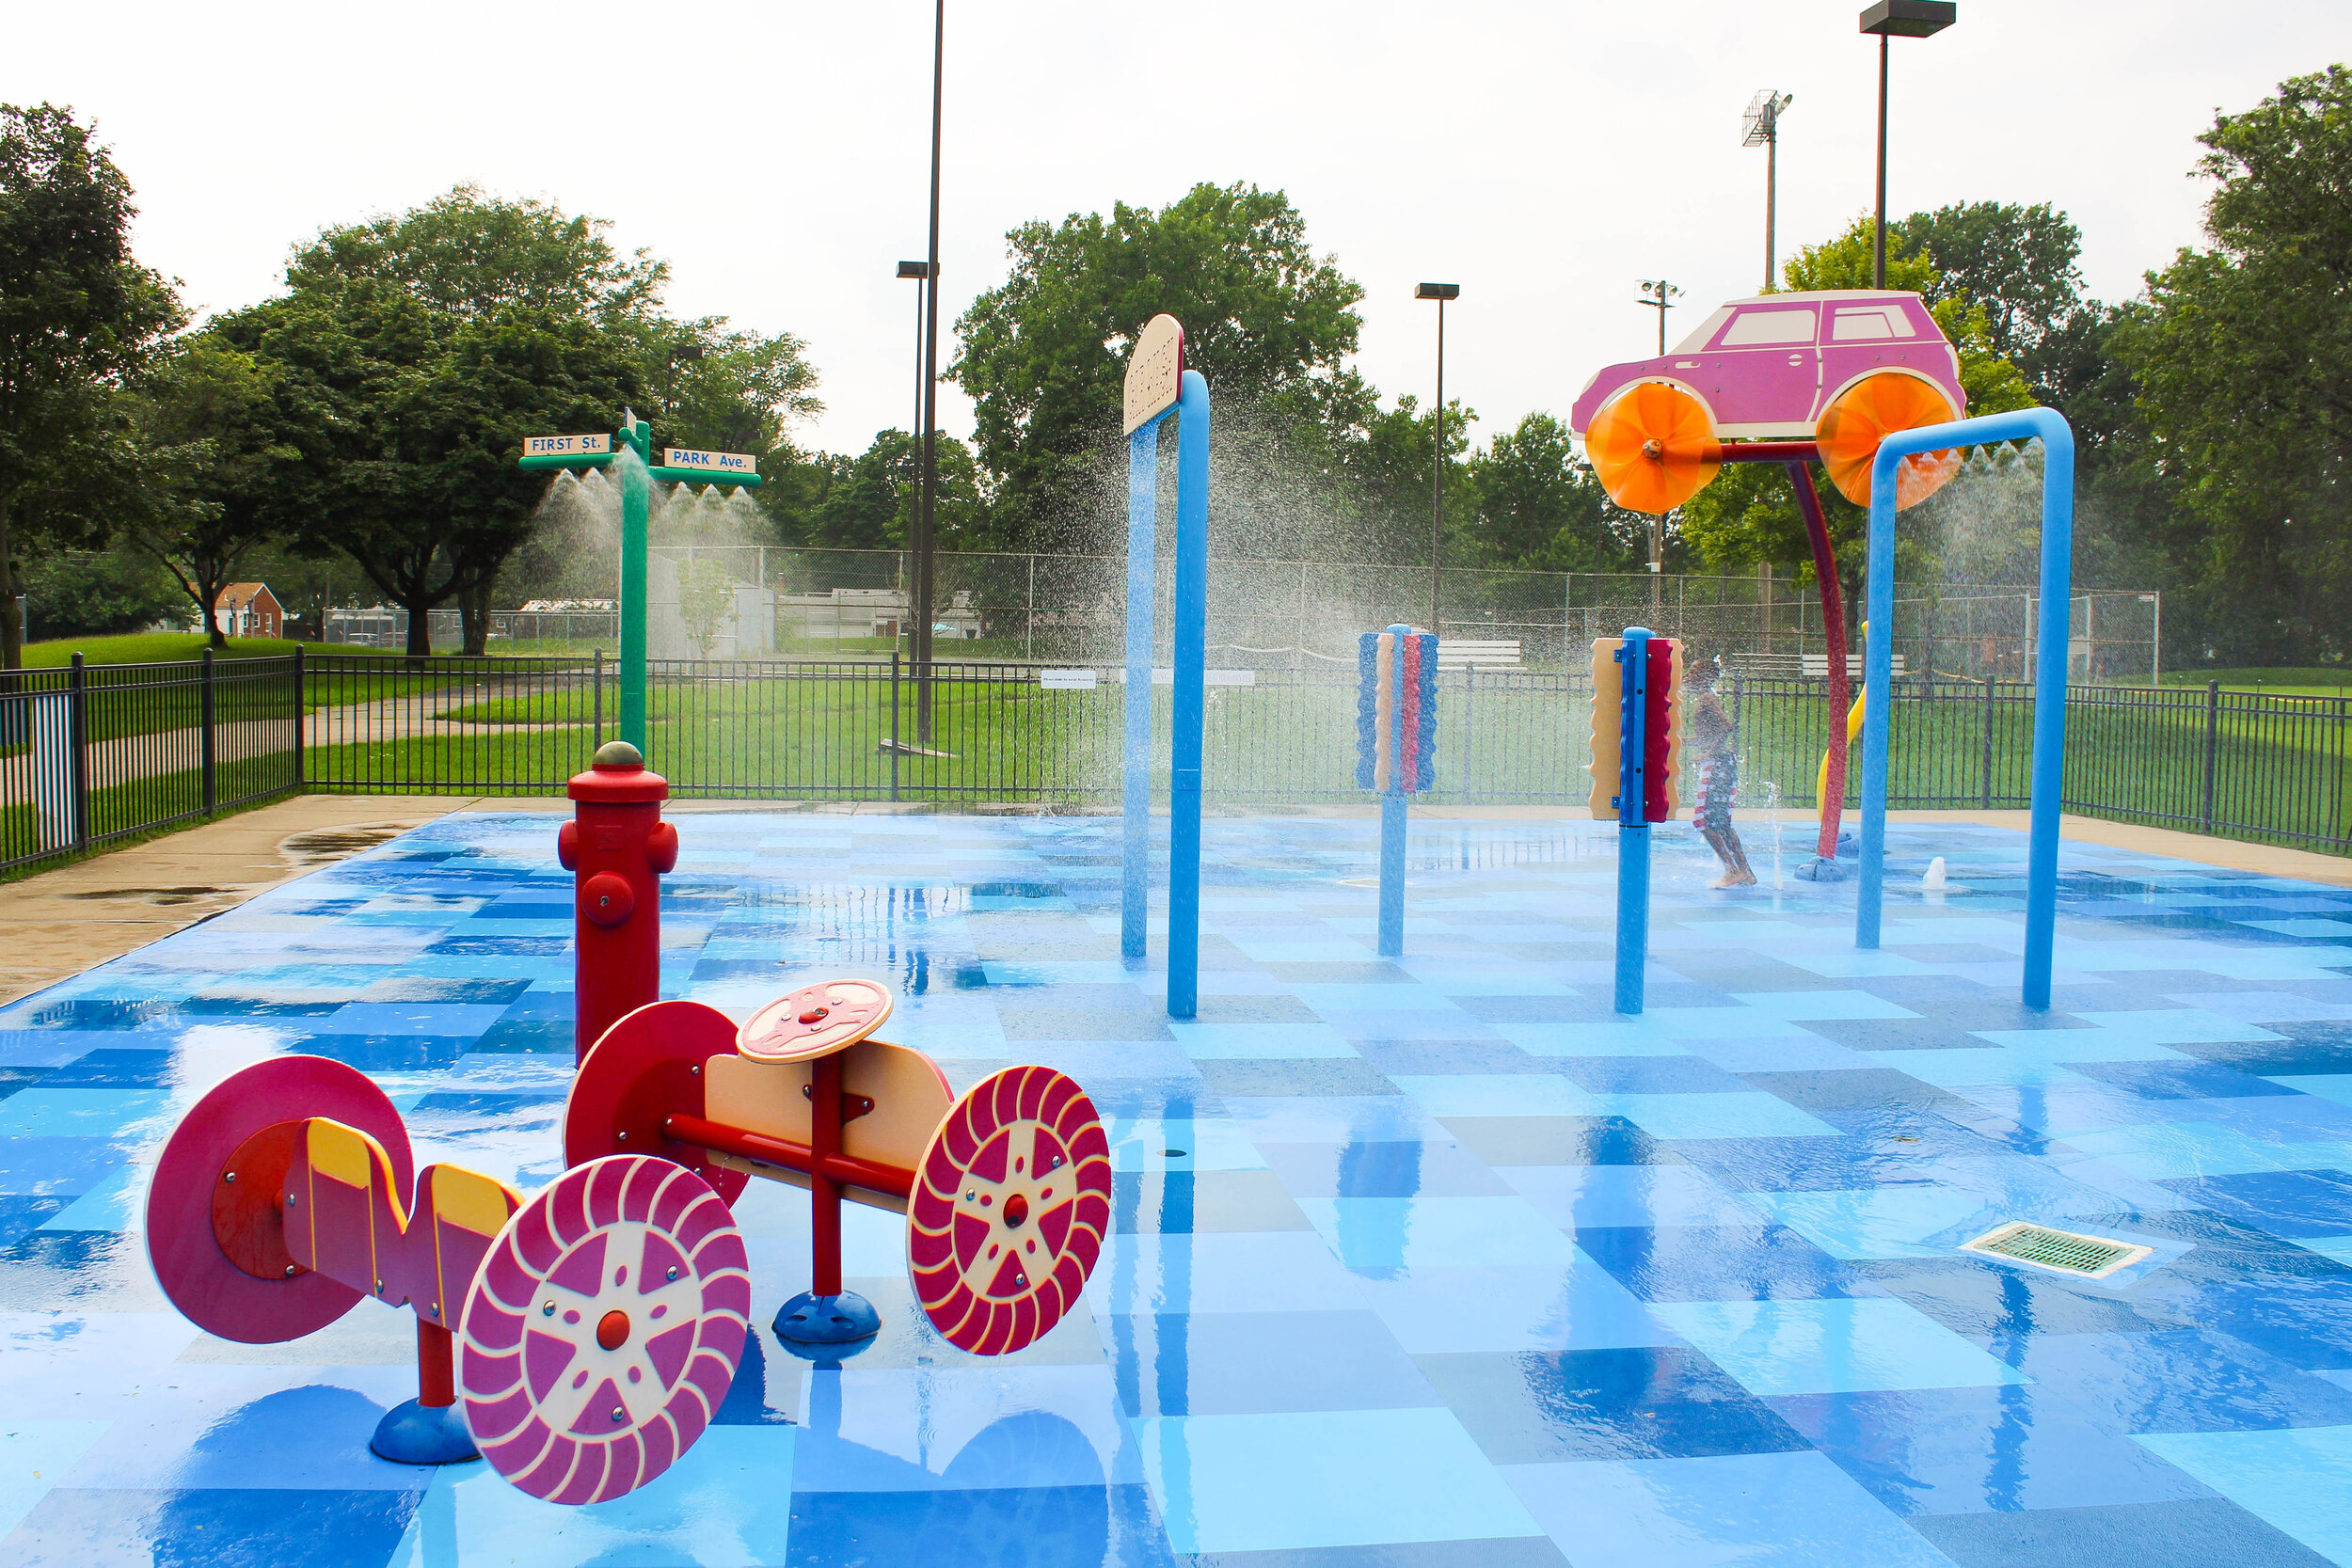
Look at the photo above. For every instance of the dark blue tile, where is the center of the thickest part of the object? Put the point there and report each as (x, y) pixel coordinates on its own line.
(1666, 1401)
(528, 1036)
(20, 1215)
(1721, 1264)
(2304, 1322)
(2223, 1251)
(213, 1528)
(488, 1103)
(1321, 1077)
(424, 989)
(257, 1007)
(1011, 1527)
(91, 1013)
(2200, 1533)
(112, 1068)
(481, 946)
(2178, 1079)
(1982, 1299)
(1647, 1075)
(15, 1078)
(55, 1167)
(2284, 1203)
(388, 1052)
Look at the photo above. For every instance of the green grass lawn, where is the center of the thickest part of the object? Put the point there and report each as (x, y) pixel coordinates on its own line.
(2305, 680)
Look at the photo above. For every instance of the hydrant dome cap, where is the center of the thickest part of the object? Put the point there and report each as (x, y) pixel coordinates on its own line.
(619, 755)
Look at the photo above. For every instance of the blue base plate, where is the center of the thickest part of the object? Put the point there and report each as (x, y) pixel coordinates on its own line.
(414, 1433)
(811, 1319)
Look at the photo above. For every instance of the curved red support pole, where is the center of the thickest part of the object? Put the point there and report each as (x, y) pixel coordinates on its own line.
(1833, 806)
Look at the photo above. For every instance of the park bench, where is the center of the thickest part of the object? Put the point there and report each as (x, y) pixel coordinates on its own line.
(1458, 653)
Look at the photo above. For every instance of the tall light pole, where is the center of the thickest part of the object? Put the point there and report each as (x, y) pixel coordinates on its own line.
(1890, 19)
(1441, 293)
(919, 645)
(920, 272)
(1659, 295)
(1761, 127)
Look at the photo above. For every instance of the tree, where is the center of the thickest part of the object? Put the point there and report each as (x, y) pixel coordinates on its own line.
(2243, 361)
(1540, 508)
(420, 351)
(869, 503)
(95, 593)
(1044, 354)
(215, 429)
(2017, 263)
(79, 319)
(1748, 515)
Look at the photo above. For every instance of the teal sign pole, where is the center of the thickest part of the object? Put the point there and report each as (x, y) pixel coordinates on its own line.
(637, 481)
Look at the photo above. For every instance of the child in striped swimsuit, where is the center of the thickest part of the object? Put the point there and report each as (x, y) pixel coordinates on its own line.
(1713, 742)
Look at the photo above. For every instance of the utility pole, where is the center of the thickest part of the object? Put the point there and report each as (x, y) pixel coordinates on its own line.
(919, 645)
(1441, 293)
(1659, 295)
(1761, 127)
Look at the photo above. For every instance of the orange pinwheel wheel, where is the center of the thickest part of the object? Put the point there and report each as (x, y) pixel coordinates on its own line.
(1868, 412)
(1654, 448)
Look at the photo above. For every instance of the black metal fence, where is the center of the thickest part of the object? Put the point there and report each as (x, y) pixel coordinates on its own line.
(93, 753)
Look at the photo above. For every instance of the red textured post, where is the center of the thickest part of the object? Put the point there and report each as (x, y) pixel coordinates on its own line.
(437, 1368)
(617, 848)
(824, 1194)
(1834, 624)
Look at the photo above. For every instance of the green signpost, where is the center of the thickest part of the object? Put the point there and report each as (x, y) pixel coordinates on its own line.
(680, 465)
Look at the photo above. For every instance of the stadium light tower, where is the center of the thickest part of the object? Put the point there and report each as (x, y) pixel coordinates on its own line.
(1761, 127)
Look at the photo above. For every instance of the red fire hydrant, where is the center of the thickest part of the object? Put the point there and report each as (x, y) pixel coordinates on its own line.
(615, 846)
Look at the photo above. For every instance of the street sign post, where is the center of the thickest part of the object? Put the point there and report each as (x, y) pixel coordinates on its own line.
(681, 466)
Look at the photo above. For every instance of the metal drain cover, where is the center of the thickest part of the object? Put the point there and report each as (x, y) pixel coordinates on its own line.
(2059, 1251)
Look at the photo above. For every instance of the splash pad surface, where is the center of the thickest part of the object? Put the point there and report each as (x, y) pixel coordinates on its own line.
(1429, 1261)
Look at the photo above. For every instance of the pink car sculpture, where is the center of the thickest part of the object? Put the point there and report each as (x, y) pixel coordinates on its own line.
(1840, 368)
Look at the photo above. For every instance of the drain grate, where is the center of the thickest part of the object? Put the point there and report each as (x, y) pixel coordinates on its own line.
(2063, 1251)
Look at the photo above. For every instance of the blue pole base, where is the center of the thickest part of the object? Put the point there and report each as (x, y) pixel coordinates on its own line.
(416, 1434)
(811, 1319)
(1819, 870)
(1392, 875)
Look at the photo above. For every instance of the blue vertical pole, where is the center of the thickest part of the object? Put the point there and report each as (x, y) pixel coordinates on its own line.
(1191, 699)
(2050, 635)
(1632, 824)
(1393, 803)
(1143, 502)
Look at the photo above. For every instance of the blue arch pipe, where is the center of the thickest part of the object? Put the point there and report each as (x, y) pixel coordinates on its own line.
(2050, 639)
(1191, 635)
(1633, 820)
(1392, 804)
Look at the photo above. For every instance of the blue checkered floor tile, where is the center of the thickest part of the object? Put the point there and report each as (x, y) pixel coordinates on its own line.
(1422, 1261)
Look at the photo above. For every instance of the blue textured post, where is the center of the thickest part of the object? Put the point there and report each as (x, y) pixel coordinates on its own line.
(1191, 705)
(1393, 803)
(1143, 503)
(2050, 635)
(1632, 824)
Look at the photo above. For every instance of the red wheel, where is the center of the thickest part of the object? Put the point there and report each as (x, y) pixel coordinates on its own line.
(814, 1020)
(649, 1067)
(214, 1230)
(603, 1330)
(1011, 1201)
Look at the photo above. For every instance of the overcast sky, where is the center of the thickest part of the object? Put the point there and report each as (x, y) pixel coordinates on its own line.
(1542, 155)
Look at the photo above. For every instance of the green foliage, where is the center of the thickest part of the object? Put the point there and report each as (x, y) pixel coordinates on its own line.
(419, 350)
(2018, 264)
(1044, 354)
(1540, 508)
(867, 502)
(82, 593)
(2243, 361)
(705, 594)
(79, 319)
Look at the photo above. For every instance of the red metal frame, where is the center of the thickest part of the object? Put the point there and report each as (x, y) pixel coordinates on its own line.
(1795, 456)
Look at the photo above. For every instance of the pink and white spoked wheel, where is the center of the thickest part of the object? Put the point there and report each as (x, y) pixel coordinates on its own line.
(1011, 1201)
(604, 1329)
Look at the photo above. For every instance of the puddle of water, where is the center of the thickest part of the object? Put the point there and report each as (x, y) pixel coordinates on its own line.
(165, 895)
(321, 845)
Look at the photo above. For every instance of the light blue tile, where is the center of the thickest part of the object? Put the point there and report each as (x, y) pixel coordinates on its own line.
(1424, 1231)
(114, 1204)
(1855, 963)
(1571, 1196)
(2172, 1151)
(36, 1453)
(1798, 1004)
(1502, 1308)
(2337, 1248)
(1964, 1068)
(38, 1113)
(1591, 1038)
(2299, 1480)
(1755, 1510)
(1831, 1346)
(1334, 1118)
(1210, 1040)
(1499, 1094)
(1394, 997)
(1713, 1116)
(2334, 1086)
(1246, 1271)
(1301, 1481)
(1210, 1143)
(897, 1429)
(728, 1501)
(1874, 1221)
(461, 1019)
(1057, 972)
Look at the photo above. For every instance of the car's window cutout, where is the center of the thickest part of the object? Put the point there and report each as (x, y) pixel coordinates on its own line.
(1751, 328)
(1870, 321)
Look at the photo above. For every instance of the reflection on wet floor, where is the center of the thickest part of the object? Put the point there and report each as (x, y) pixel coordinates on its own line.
(1416, 1261)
